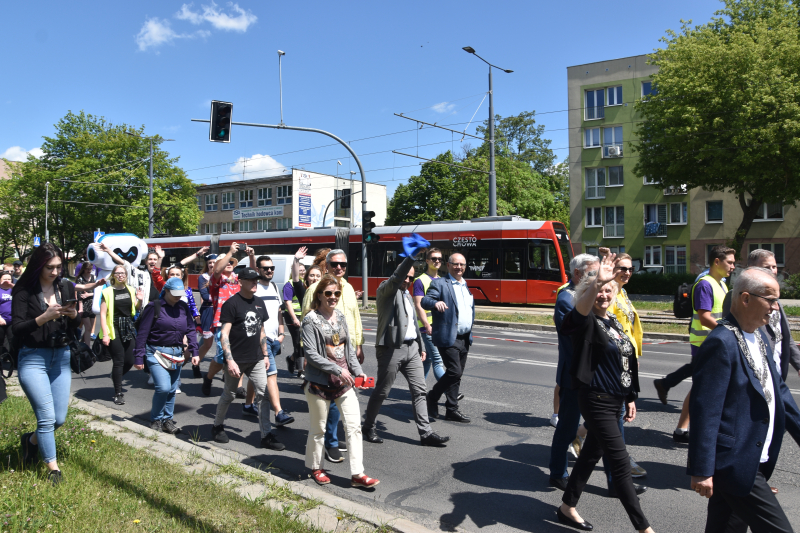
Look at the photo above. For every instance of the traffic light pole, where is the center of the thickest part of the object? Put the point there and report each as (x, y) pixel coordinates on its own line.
(364, 269)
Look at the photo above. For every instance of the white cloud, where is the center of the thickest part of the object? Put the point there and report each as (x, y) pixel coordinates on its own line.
(240, 21)
(17, 153)
(258, 166)
(156, 32)
(443, 107)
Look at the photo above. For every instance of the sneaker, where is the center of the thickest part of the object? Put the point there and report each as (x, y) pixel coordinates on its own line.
(333, 455)
(179, 391)
(206, 387)
(363, 481)
(119, 399)
(554, 419)
(283, 418)
(342, 446)
(241, 393)
(290, 364)
(94, 336)
(219, 435)
(636, 470)
(196, 372)
(150, 381)
(320, 477)
(681, 436)
(30, 451)
(156, 425)
(272, 443)
(168, 426)
(249, 410)
(54, 477)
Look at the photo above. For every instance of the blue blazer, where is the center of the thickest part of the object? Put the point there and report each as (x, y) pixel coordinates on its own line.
(730, 415)
(445, 325)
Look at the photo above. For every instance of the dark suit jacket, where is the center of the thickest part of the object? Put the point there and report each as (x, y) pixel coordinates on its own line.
(445, 325)
(730, 415)
(392, 317)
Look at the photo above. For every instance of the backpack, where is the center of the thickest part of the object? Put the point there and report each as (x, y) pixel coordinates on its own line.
(156, 312)
(682, 305)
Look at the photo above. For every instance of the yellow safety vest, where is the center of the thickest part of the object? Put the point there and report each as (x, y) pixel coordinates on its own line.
(564, 286)
(108, 296)
(698, 332)
(426, 283)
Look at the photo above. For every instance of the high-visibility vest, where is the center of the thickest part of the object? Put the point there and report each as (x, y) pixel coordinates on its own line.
(564, 286)
(426, 283)
(108, 296)
(698, 332)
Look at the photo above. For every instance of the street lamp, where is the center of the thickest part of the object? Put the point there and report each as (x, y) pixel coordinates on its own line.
(280, 80)
(150, 225)
(492, 174)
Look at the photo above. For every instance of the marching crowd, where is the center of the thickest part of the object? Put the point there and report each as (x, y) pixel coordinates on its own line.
(741, 351)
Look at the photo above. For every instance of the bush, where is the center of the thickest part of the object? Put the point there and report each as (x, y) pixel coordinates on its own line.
(663, 284)
(791, 288)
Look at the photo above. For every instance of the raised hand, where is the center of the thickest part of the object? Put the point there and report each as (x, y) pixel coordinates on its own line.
(234, 248)
(606, 271)
(301, 252)
(159, 252)
(202, 251)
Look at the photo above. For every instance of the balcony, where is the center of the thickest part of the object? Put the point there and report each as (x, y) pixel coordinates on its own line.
(675, 190)
(655, 229)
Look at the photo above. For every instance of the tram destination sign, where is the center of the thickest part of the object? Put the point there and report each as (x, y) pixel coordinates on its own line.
(464, 242)
(257, 212)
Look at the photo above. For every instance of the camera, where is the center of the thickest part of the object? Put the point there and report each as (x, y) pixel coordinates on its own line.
(242, 246)
(57, 339)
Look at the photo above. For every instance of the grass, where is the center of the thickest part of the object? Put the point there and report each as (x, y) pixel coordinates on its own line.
(109, 486)
(792, 311)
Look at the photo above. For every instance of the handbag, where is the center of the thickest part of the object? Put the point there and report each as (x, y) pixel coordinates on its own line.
(81, 357)
(168, 361)
(100, 351)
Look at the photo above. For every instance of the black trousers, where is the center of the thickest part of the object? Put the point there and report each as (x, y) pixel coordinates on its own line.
(760, 510)
(122, 360)
(601, 414)
(672, 380)
(297, 350)
(454, 359)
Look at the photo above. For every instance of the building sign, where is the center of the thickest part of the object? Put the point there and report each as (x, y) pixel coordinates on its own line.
(257, 212)
(461, 242)
(304, 201)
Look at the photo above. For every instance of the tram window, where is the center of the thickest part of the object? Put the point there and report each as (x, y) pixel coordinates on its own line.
(512, 264)
(543, 261)
(481, 264)
(390, 263)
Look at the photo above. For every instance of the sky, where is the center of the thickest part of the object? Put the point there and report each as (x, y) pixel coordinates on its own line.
(348, 68)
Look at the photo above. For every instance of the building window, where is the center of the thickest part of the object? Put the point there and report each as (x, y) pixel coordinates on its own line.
(595, 183)
(211, 202)
(283, 223)
(284, 194)
(594, 217)
(262, 224)
(245, 199)
(199, 229)
(708, 250)
(210, 229)
(246, 226)
(675, 259)
(228, 201)
(648, 88)
(591, 250)
(714, 212)
(655, 220)
(614, 177)
(199, 198)
(591, 138)
(615, 222)
(649, 181)
(776, 248)
(226, 227)
(594, 104)
(265, 197)
(612, 138)
(616, 249)
(769, 212)
(652, 256)
(615, 95)
(678, 213)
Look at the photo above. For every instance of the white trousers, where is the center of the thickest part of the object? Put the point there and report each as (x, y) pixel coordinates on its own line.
(351, 417)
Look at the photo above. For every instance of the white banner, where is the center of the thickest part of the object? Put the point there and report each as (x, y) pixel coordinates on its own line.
(257, 212)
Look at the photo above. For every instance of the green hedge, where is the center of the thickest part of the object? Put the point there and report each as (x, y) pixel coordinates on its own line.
(664, 284)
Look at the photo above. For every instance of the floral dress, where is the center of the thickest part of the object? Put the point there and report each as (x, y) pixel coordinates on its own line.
(336, 340)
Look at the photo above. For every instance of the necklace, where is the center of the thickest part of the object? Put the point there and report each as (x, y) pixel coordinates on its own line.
(631, 314)
(775, 326)
(761, 375)
(333, 328)
(623, 344)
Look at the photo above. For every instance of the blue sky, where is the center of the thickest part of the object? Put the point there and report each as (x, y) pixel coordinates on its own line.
(348, 67)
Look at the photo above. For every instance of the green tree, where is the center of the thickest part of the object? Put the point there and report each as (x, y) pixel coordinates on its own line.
(519, 138)
(726, 116)
(428, 196)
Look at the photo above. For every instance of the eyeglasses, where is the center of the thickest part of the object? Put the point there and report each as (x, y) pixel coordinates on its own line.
(328, 294)
(435, 259)
(339, 264)
(268, 269)
(770, 301)
(625, 269)
(120, 274)
(409, 278)
(459, 265)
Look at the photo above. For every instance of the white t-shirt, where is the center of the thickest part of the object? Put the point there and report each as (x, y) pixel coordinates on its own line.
(755, 353)
(411, 329)
(273, 300)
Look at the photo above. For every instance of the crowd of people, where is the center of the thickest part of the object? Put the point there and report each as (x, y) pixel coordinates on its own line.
(740, 341)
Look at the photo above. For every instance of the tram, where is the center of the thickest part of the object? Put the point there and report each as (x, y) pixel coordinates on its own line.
(509, 259)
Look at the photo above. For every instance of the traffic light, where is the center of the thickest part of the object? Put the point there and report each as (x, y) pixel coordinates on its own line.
(367, 225)
(220, 131)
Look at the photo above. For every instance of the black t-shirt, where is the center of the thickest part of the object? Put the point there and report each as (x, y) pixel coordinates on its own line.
(247, 317)
(154, 294)
(608, 374)
(122, 303)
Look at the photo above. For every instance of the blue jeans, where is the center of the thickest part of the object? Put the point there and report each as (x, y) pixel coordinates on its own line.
(432, 358)
(166, 383)
(569, 418)
(45, 376)
(218, 357)
(332, 426)
(273, 347)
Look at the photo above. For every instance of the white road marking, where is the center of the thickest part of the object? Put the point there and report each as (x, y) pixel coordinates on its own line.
(669, 353)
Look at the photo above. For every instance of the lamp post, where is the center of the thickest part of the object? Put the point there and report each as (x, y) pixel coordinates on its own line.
(492, 174)
(352, 173)
(280, 82)
(150, 217)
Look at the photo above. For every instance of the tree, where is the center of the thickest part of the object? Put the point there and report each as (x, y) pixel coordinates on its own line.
(428, 196)
(521, 139)
(726, 116)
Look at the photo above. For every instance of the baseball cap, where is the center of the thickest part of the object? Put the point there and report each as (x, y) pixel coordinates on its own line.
(17, 263)
(249, 273)
(175, 287)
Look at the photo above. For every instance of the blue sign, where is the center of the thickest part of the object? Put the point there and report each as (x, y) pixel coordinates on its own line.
(98, 234)
(37, 242)
(304, 211)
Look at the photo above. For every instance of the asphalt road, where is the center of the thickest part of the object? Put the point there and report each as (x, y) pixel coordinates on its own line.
(493, 474)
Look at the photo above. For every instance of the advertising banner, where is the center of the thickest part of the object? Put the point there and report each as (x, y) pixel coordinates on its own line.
(257, 212)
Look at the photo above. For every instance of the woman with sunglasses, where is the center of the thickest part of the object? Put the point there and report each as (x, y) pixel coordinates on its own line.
(117, 309)
(330, 372)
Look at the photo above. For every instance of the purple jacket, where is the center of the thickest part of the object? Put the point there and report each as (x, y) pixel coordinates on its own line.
(173, 324)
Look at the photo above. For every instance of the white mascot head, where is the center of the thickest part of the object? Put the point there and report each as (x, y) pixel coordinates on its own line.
(127, 246)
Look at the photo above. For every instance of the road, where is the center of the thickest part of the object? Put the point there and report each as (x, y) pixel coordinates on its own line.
(493, 474)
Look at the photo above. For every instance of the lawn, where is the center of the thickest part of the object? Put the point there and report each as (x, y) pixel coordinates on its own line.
(110, 486)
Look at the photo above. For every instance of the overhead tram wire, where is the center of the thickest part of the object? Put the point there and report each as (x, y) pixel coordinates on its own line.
(106, 168)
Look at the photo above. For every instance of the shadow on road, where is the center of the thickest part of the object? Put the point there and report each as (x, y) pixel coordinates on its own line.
(487, 509)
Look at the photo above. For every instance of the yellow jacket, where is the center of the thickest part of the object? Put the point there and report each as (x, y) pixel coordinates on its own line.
(348, 305)
(622, 309)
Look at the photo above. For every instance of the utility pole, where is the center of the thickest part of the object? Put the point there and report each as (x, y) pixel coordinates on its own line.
(46, 211)
(151, 216)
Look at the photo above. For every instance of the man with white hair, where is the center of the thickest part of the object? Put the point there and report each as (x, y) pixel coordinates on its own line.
(741, 405)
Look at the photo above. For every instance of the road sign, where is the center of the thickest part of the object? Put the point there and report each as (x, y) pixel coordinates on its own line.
(37, 242)
(98, 234)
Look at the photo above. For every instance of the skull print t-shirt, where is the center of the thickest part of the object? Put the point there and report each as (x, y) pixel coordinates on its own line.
(246, 317)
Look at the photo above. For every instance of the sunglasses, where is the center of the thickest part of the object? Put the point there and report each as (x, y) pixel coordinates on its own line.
(409, 278)
(625, 269)
(435, 259)
(339, 264)
(328, 294)
(268, 269)
(231, 262)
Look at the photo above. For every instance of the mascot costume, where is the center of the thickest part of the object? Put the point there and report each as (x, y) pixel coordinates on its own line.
(129, 248)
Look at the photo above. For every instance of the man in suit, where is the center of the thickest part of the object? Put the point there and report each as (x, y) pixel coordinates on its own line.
(453, 309)
(740, 409)
(398, 347)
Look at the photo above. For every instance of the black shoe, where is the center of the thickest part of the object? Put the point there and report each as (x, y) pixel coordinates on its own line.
(219, 435)
(662, 390)
(460, 396)
(333, 455)
(457, 416)
(206, 387)
(432, 439)
(343, 446)
(156, 425)
(196, 372)
(567, 521)
(54, 477)
(169, 426)
(119, 399)
(30, 451)
(612, 490)
(682, 438)
(241, 393)
(559, 483)
(290, 364)
(433, 408)
(272, 443)
(370, 435)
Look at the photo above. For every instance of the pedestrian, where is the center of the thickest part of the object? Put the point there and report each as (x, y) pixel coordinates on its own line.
(332, 367)
(399, 348)
(44, 310)
(119, 305)
(604, 370)
(292, 309)
(17, 271)
(85, 276)
(163, 326)
(6, 286)
(708, 295)
(150, 280)
(206, 310)
(740, 409)
(433, 260)
(453, 312)
(299, 287)
(274, 331)
(244, 348)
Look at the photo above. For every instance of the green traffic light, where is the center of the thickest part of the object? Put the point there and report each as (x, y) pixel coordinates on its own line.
(221, 133)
